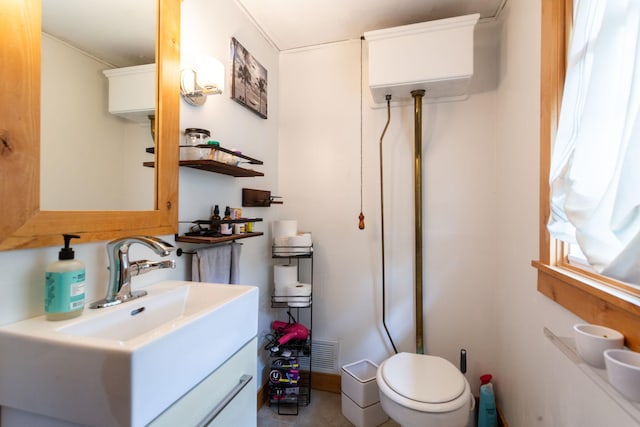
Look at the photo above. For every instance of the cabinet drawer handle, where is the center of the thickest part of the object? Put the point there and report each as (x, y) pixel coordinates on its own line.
(244, 380)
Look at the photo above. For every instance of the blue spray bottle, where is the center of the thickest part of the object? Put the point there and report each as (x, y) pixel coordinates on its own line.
(487, 415)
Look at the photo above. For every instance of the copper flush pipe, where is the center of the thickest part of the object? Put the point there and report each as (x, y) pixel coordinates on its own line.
(384, 304)
(417, 98)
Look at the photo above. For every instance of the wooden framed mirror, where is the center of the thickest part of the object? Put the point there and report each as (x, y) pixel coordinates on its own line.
(22, 223)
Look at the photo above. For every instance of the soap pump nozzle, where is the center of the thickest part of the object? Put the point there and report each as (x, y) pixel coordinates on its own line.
(67, 252)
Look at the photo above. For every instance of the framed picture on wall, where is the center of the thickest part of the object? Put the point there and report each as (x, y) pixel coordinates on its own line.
(248, 80)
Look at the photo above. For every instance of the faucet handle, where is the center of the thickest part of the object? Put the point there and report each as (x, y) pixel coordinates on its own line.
(159, 246)
(137, 268)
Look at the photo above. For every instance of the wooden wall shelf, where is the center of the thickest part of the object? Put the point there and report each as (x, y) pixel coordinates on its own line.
(220, 239)
(216, 167)
(226, 221)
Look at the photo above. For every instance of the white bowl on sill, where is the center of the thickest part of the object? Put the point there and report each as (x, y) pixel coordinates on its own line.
(593, 340)
(623, 372)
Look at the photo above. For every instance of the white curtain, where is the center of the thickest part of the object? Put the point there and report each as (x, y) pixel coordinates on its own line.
(595, 164)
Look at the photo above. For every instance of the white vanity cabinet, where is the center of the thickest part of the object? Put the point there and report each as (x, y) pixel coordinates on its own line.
(230, 391)
(227, 397)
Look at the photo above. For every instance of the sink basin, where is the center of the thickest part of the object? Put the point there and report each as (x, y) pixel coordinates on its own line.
(126, 364)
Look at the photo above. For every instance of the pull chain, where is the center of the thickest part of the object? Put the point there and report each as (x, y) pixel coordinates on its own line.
(361, 216)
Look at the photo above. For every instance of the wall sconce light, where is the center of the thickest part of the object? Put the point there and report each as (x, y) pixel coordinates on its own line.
(206, 79)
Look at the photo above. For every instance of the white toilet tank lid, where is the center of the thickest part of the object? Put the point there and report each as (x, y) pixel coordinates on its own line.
(423, 378)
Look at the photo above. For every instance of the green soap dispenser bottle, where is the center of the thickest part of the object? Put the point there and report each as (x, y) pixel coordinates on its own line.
(64, 285)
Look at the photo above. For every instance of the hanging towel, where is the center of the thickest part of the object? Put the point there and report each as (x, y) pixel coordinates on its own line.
(217, 264)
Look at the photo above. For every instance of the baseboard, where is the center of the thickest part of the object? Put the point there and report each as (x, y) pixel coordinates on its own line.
(326, 382)
(262, 396)
(502, 421)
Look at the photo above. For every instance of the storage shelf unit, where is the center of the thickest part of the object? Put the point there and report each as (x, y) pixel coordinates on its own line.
(283, 302)
(288, 397)
(292, 252)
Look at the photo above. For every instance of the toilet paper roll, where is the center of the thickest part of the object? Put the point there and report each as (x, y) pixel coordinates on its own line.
(300, 243)
(280, 293)
(285, 228)
(281, 241)
(299, 295)
(283, 275)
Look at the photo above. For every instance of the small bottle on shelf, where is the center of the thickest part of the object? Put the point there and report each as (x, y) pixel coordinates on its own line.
(226, 228)
(215, 220)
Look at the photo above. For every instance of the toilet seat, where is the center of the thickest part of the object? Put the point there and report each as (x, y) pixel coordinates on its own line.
(423, 383)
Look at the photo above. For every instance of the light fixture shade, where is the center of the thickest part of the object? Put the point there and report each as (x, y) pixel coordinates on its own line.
(188, 81)
(210, 74)
(207, 78)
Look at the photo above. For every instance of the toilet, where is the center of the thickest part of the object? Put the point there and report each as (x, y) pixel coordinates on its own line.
(418, 390)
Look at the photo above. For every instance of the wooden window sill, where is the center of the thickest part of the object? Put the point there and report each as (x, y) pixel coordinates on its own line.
(592, 301)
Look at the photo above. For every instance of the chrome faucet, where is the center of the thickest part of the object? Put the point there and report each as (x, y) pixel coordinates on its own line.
(121, 269)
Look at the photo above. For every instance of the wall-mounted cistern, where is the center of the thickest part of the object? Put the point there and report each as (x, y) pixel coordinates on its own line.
(121, 270)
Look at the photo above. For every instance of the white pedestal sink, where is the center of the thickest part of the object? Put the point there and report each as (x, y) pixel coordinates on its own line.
(124, 365)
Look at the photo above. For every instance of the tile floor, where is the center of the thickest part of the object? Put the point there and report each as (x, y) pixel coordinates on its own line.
(323, 411)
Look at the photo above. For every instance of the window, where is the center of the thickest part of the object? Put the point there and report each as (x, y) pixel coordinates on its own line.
(589, 295)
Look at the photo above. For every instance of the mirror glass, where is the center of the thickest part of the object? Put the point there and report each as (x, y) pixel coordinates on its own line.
(92, 159)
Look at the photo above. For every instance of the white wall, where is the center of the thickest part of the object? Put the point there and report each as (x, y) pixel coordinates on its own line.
(76, 126)
(207, 28)
(536, 384)
(320, 178)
